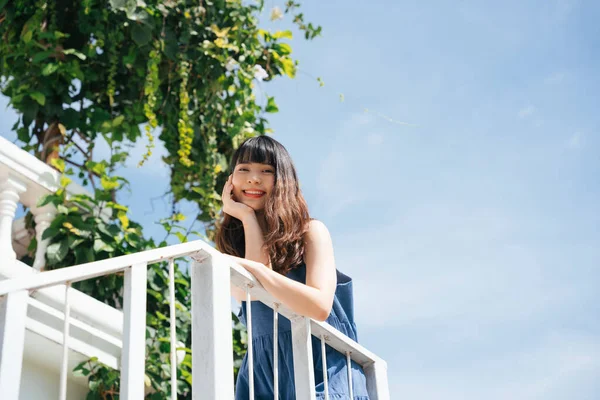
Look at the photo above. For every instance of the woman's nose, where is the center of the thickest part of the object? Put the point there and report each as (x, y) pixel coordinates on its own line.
(253, 179)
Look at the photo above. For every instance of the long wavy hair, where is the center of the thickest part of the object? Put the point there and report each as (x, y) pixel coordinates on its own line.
(286, 212)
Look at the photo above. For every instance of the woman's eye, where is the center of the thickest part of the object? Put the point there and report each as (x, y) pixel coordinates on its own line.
(269, 171)
(243, 169)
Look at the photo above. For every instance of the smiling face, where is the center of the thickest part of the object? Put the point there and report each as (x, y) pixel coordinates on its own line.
(253, 183)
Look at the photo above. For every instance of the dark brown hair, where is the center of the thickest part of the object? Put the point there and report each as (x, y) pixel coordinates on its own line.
(286, 212)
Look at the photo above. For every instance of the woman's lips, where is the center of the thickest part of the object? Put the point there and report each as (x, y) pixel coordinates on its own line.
(253, 194)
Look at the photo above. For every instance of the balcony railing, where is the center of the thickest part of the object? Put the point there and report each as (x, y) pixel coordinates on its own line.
(212, 349)
(24, 179)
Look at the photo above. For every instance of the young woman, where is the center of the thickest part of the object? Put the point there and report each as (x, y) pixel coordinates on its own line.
(268, 229)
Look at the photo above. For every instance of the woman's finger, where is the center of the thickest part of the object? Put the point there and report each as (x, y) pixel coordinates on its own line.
(224, 193)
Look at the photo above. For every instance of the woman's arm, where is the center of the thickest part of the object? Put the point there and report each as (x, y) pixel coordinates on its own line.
(315, 298)
(254, 246)
(254, 249)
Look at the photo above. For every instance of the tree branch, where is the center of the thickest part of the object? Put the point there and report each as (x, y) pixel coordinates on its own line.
(70, 140)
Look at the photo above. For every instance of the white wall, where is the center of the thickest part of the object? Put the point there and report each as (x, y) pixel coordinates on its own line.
(39, 383)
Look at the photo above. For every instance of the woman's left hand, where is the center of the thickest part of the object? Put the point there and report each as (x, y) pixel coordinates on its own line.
(234, 208)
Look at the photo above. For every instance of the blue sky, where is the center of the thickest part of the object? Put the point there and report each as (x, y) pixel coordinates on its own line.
(473, 234)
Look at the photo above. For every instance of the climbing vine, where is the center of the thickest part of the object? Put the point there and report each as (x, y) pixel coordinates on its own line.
(186, 132)
(81, 72)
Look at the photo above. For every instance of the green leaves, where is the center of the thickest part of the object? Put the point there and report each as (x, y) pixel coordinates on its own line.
(271, 107)
(179, 70)
(288, 66)
(141, 34)
(41, 56)
(74, 52)
(124, 5)
(39, 97)
(56, 252)
(100, 245)
(109, 183)
(283, 35)
(49, 69)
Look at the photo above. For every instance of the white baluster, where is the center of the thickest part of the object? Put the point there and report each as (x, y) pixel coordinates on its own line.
(133, 358)
(349, 368)
(10, 188)
(212, 344)
(250, 350)
(13, 313)
(276, 352)
(65, 355)
(304, 374)
(377, 381)
(43, 218)
(324, 366)
(173, 329)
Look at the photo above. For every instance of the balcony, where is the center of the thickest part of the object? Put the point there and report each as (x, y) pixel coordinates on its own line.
(46, 327)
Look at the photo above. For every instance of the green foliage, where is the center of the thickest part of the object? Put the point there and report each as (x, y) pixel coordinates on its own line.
(81, 71)
(90, 229)
(105, 67)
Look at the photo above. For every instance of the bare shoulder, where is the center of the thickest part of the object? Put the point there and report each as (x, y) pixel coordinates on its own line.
(317, 232)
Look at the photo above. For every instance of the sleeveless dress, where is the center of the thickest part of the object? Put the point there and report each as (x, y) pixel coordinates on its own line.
(341, 318)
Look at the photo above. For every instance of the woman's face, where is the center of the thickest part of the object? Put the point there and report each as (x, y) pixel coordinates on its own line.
(252, 184)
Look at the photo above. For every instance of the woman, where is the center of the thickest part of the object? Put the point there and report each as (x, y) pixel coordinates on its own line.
(268, 229)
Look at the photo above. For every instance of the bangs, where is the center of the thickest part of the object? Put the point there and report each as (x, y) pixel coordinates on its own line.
(255, 150)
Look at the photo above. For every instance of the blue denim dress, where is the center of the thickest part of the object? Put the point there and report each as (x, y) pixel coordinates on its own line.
(341, 318)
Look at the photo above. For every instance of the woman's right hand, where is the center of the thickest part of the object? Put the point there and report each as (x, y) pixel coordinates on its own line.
(230, 206)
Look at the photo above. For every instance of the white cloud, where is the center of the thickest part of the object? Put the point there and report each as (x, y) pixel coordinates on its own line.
(342, 181)
(555, 366)
(554, 78)
(447, 265)
(562, 10)
(476, 308)
(374, 139)
(575, 141)
(334, 194)
(526, 111)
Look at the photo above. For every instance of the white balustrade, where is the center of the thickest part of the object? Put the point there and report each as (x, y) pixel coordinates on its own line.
(134, 332)
(13, 309)
(10, 189)
(212, 348)
(25, 179)
(304, 375)
(276, 352)
(250, 350)
(43, 217)
(324, 366)
(377, 380)
(66, 336)
(173, 327)
(212, 345)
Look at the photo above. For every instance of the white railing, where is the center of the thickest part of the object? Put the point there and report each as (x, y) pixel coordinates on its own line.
(25, 179)
(212, 350)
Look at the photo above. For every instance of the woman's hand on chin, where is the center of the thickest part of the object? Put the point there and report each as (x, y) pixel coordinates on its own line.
(234, 208)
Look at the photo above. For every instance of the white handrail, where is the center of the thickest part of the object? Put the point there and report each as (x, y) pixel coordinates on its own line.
(303, 328)
(104, 267)
(239, 277)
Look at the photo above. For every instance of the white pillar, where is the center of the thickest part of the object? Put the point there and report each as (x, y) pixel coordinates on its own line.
(13, 313)
(377, 381)
(304, 374)
(212, 343)
(133, 358)
(43, 218)
(10, 187)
